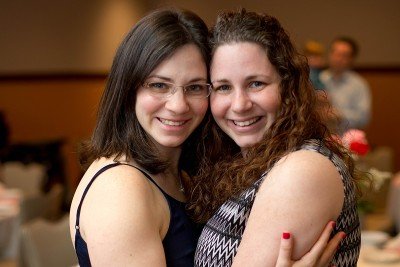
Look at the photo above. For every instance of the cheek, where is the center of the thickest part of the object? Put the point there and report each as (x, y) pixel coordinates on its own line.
(272, 102)
(146, 104)
(218, 106)
(200, 108)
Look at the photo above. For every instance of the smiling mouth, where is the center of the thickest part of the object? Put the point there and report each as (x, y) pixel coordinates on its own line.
(246, 123)
(171, 123)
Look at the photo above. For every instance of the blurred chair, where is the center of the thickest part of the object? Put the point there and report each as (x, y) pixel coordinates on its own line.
(28, 178)
(382, 159)
(43, 205)
(47, 244)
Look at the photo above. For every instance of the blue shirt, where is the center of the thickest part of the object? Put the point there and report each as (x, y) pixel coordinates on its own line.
(351, 97)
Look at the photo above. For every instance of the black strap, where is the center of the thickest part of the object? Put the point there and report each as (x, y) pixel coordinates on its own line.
(103, 169)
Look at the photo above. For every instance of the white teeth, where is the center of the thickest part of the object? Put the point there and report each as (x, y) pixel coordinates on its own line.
(245, 123)
(172, 123)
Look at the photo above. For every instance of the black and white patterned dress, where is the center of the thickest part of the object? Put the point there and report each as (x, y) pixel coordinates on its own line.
(222, 234)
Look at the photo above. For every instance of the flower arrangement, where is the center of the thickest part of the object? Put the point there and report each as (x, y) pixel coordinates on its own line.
(356, 142)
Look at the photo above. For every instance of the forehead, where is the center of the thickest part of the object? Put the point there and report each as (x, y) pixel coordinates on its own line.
(240, 58)
(340, 46)
(184, 61)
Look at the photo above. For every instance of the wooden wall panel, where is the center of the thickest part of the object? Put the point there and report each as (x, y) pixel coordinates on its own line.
(384, 128)
(53, 108)
(39, 110)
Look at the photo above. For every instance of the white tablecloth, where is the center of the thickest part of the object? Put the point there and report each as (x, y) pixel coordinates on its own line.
(9, 223)
(362, 262)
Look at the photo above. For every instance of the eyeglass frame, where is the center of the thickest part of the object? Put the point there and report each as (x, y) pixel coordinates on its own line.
(174, 89)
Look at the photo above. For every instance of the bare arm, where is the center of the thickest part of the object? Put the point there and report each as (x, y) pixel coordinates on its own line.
(122, 220)
(301, 193)
(320, 254)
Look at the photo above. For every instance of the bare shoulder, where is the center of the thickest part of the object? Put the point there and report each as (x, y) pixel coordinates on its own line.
(305, 167)
(119, 193)
(124, 207)
(305, 184)
(115, 194)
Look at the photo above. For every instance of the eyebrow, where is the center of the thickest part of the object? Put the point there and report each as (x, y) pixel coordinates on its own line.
(251, 77)
(198, 79)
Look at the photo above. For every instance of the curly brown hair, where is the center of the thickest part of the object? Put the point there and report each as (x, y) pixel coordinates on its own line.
(224, 172)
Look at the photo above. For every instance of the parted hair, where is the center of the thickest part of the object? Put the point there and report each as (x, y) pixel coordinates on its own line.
(153, 39)
(224, 172)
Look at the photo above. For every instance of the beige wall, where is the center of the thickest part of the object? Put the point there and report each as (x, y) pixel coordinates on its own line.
(375, 24)
(63, 36)
(66, 36)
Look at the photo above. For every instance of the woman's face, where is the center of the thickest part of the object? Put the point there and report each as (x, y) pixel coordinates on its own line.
(169, 121)
(246, 96)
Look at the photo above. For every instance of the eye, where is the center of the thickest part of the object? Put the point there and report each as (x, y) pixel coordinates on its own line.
(257, 85)
(195, 88)
(157, 85)
(223, 88)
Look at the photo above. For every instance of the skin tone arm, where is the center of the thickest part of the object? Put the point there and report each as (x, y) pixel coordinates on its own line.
(122, 220)
(320, 254)
(302, 192)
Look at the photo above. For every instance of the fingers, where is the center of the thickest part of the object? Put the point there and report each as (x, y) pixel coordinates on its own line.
(324, 248)
(285, 251)
(331, 248)
(317, 257)
(319, 247)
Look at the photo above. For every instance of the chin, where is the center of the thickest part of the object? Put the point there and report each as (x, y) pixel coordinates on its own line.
(171, 143)
(245, 143)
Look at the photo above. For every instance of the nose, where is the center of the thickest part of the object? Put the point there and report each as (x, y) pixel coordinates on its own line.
(241, 101)
(177, 102)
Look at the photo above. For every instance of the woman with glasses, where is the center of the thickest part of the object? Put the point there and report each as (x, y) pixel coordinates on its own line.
(129, 208)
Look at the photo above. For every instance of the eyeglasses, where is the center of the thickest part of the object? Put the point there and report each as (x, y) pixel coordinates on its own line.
(166, 89)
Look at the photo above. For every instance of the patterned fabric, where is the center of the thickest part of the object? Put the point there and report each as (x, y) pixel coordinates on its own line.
(222, 234)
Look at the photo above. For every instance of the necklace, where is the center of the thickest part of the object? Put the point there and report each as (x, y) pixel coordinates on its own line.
(181, 188)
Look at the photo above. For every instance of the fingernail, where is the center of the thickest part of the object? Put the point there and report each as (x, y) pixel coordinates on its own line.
(286, 235)
(333, 225)
(343, 235)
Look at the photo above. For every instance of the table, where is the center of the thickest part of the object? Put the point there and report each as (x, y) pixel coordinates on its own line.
(363, 263)
(9, 223)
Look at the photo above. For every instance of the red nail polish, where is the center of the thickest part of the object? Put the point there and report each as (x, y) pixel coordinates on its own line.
(333, 225)
(343, 235)
(286, 235)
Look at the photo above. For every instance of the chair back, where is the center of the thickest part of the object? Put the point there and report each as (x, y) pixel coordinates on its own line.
(47, 244)
(28, 178)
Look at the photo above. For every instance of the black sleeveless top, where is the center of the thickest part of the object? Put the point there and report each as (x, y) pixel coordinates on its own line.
(179, 243)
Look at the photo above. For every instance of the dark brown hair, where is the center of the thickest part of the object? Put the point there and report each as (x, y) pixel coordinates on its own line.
(153, 39)
(224, 172)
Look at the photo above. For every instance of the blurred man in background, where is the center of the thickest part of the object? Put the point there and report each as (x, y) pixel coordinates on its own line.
(348, 92)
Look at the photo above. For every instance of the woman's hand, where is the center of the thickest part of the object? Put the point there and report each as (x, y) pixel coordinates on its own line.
(320, 254)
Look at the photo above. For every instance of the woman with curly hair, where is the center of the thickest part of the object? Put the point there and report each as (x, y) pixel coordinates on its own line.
(270, 165)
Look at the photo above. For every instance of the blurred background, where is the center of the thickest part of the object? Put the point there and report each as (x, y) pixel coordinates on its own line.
(55, 56)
